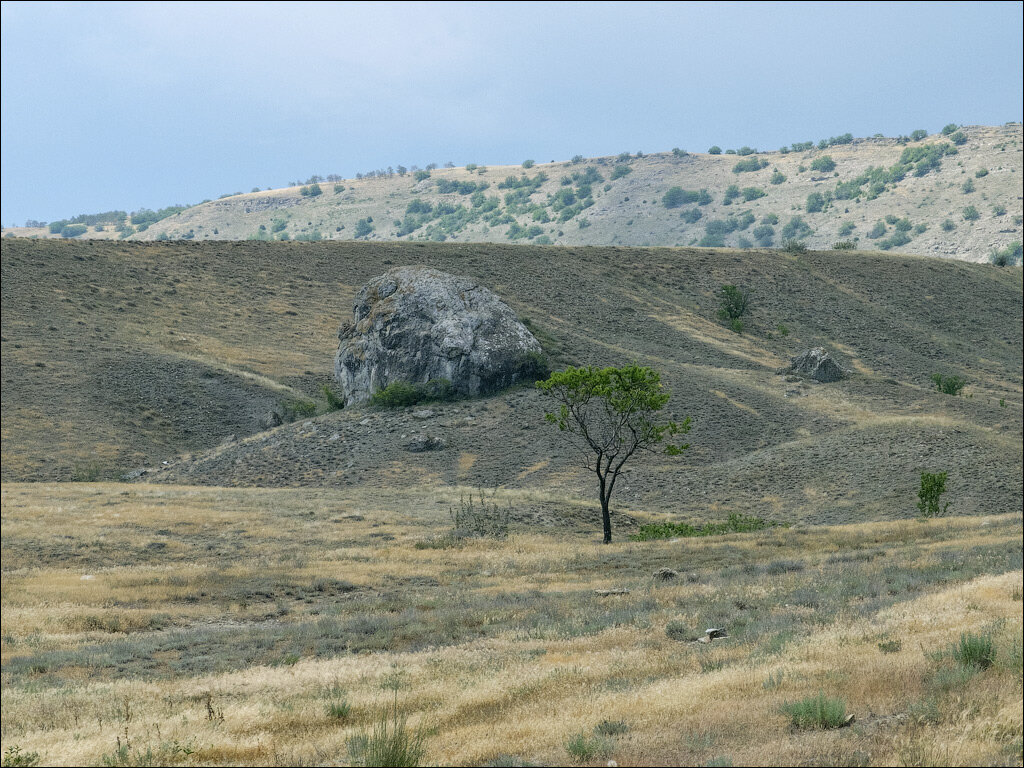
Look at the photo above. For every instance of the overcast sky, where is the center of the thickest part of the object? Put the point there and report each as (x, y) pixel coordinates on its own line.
(123, 106)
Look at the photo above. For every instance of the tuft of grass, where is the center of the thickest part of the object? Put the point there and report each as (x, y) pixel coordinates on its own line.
(392, 743)
(339, 710)
(978, 651)
(890, 646)
(611, 728)
(736, 523)
(583, 748)
(816, 712)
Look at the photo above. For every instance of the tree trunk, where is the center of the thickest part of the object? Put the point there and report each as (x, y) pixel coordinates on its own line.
(606, 516)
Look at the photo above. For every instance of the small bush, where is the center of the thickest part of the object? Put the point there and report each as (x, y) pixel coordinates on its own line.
(749, 165)
(528, 163)
(619, 171)
(73, 230)
(981, 173)
(919, 134)
(846, 228)
(1007, 256)
(715, 150)
(677, 152)
(14, 756)
(753, 193)
(421, 175)
(933, 485)
(584, 749)
(997, 210)
(976, 651)
(334, 402)
(825, 164)
(674, 198)
(815, 202)
(843, 245)
(949, 129)
(890, 646)
(958, 137)
(313, 190)
(948, 225)
(397, 394)
(777, 177)
(816, 712)
(339, 710)
(611, 728)
(392, 743)
(794, 247)
(363, 228)
(948, 385)
(967, 187)
(480, 519)
(733, 303)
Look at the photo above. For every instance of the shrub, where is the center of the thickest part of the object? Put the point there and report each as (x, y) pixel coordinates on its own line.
(948, 385)
(753, 193)
(974, 651)
(733, 303)
(576, 159)
(297, 408)
(528, 163)
(619, 171)
(971, 213)
(959, 138)
(731, 193)
(981, 173)
(818, 712)
(815, 202)
(933, 485)
(73, 230)
(764, 234)
(677, 152)
(878, 230)
(745, 150)
(949, 129)
(825, 164)
(611, 728)
(948, 225)
(968, 186)
(1007, 256)
(339, 710)
(14, 756)
(796, 228)
(897, 240)
(483, 518)
(736, 523)
(400, 394)
(715, 150)
(363, 228)
(421, 175)
(392, 742)
(794, 246)
(586, 749)
(778, 177)
(691, 215)
(339, 188)
(674, 197)
(918, 134)
(749, 165)
(334, 402)
(843, 245)
(846, 228)
(313, 190)
(997, 210)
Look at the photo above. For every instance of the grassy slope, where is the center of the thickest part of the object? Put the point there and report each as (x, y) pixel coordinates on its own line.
(631, 213)
(217, 626)
(147, 376)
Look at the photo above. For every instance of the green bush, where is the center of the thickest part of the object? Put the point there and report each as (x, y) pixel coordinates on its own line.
(971, 213)
(918, 134)
(959, 138)
(948, 385)
(745, 150)
(619, 171)
(14, 756)
(933, 485)
(796, 228)
(334, 402)
(585, 749)
(339, 710)
(691, 215)
(731, 193)
(400, 394)
(392, 743)
(794, 246)
(736, 523)
(674, 197)
(764, 234)
(677, 152)
(777, 177)
(949, 129)
(753, 193)
(528, 163)
(715, 150)
(948, 225)
(363, 228)
(749, 165)
(1008, 256)
(846, 228)
(73, 230)
(976, 651)
(843, 245)
(611, 728)
(997, 210)
(815, 202)
(825, 164)
(981, 173)
(421, 175)
(816, 712)
(313, 190)
(878, 230)
(896, 240)
(967, 187)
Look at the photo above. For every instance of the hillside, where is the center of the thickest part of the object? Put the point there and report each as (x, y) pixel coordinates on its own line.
(932, 196)
(122, 355)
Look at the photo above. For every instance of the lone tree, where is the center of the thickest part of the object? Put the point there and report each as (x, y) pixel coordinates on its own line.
(611, 414)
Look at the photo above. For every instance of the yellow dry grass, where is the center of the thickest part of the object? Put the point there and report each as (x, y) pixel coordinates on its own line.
(524, 690)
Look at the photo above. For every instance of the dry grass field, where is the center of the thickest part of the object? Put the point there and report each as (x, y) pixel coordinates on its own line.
(176, 625)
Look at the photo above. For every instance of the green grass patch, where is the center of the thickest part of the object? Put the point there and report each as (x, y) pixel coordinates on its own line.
(816, 712)
(736, 523)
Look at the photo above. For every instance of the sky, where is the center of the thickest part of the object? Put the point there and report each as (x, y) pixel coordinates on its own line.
(131, 105)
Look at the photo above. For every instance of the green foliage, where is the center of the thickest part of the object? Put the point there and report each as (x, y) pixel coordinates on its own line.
(73, 230)
(843, 245)
(392, 742)
(749, 165)
(918, 134)
(334, 401)
(577, 159)
(824, 164)
(997, 210)
(145, 217)
(949, 129)
(585, 749)
(970, 213)
(528, 163)
(796, 228)
(948, 225)
(1008, 256)
(294, 408)
(711, 241)
(816, 712)
(715, 150)
(421, 175)
(677, 152)
(611, 728)
(764, 234)
(339, 710)
(948, 385)
(731, 193)
(313, 236)
(483, 518)
(14, 756)
(878, 230)
(896, 240)
(691, 215)
(753, 193)
(363, 228)
(802, 146)
(933, 485)
(745, 150)
(736, 523)
(733, 303)
(777, 177)
(339, 188)
(794, 246)
(978, 651)
(611, 414)
(449, 186)
(967, 187)
(313, 190)
(958, 137)
(924, 158)
(846, 228)
(619, 171)
(981, 173)
(674, 197)
(816, 202)
(401, 394)
(524, 182)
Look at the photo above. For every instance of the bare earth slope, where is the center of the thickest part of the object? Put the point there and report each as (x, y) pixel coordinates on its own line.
(620, 201)
(133, 354)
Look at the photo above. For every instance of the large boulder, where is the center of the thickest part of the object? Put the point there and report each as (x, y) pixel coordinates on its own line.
(417, 324)
(816, 364)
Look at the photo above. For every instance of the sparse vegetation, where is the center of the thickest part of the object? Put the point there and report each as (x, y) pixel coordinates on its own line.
(749, 165)
(823, 163)
(816, 712)
(1008, 256)
(948, 385)
(402, 394)
(736, 523)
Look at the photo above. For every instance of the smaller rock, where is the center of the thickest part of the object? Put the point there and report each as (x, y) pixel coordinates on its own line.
(423, 443)
(666, 574)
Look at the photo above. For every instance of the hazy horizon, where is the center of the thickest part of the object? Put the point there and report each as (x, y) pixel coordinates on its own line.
(109, 106)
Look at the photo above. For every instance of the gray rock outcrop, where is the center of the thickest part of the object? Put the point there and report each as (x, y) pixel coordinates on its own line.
(816, 364)
(417, 324)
